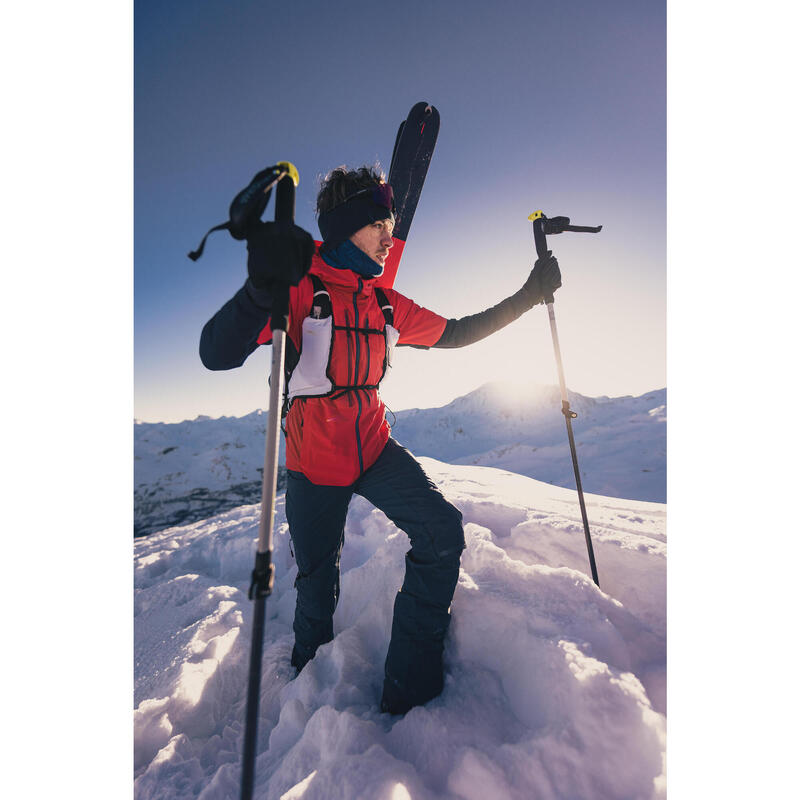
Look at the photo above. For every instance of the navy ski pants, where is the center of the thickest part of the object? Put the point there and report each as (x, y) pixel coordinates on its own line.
(398, 486)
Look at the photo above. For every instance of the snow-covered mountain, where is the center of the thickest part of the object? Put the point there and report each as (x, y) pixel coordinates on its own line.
(193, 469)
(621, 441)
(554, 688)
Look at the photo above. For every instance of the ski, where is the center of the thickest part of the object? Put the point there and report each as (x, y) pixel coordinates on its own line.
(396, 142)
(413, 149)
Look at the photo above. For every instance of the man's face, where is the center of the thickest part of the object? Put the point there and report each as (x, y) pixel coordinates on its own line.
(375, 239)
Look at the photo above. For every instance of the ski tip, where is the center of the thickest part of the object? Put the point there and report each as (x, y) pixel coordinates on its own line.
(423, 107)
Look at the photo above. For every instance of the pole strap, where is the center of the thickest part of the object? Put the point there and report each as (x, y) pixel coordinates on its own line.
(195, 254)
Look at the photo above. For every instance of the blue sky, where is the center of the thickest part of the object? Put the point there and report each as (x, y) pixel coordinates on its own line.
(558, 106)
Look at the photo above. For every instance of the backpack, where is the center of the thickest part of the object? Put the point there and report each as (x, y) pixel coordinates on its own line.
(307, 372)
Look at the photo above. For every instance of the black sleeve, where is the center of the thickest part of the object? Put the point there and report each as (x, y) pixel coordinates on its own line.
(468, 330)
(231, 334)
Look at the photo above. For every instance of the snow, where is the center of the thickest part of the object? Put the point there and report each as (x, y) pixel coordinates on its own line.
(554, 688)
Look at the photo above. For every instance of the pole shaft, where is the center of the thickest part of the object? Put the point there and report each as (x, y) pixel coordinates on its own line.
(584, 516)
(253, 698)
(568, 418)
(270, 476)
(554, 331)
(268, 491)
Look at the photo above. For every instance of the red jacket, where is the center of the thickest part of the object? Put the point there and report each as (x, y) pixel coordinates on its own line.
(333, 439)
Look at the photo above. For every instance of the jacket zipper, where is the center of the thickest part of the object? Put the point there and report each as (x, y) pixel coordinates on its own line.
(357, 394)
(350, 369)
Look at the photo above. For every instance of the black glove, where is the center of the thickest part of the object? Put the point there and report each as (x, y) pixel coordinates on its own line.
(544, 279)
(278, 253)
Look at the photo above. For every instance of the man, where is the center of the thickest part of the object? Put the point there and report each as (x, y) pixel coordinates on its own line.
(340, 337)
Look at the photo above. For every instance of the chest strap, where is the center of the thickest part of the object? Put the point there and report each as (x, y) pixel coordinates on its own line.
(321, 305)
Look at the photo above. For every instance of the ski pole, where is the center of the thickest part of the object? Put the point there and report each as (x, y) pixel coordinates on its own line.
(264, 572)
(541, 227)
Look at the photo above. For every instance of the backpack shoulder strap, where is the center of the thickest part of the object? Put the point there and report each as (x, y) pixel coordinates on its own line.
(386, 306)
(321, 301)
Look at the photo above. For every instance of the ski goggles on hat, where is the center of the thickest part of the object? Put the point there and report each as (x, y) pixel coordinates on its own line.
(360, 209)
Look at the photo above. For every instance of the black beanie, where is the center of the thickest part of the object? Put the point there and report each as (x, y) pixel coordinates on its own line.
(342, 221)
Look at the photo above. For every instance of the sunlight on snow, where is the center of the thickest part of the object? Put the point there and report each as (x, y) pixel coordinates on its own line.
(400, 792)
(195, 675)
(581, 666)
(298, 790)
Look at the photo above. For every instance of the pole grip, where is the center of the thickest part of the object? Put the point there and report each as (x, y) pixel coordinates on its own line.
(284, 200)
(284, 212)
(539, 237)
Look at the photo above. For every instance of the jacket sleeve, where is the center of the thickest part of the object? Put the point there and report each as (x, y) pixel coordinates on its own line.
(471, 329)
(231, 335)
(418, 327)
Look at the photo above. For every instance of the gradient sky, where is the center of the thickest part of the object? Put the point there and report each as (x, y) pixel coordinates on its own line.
(553, 106)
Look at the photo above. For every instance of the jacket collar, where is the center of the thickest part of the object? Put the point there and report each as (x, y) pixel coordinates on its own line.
(344, 278)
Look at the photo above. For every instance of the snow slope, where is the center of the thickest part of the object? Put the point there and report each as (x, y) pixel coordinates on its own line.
(197, 468)
(554, 688)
